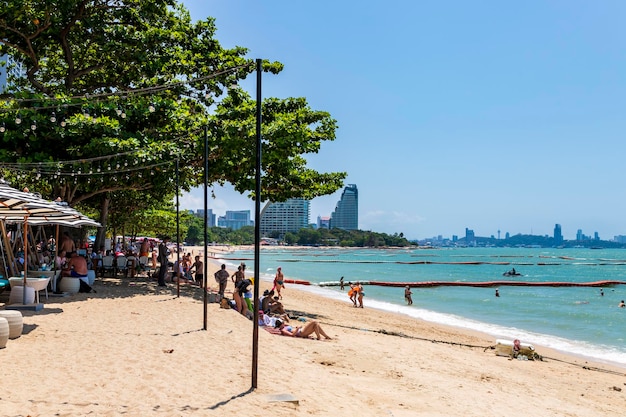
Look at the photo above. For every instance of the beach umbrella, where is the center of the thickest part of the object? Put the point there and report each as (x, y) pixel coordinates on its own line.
(27, 208)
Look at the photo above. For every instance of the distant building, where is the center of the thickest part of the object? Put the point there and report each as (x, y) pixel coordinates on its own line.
(323, 222)
(9, 68)
(280, 218)
(579, 235)
(346, 214)
(235, 219)
(470, 237)
(210, 216)
(558, 236)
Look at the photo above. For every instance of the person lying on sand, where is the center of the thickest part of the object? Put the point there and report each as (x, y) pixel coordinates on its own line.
(308, 329)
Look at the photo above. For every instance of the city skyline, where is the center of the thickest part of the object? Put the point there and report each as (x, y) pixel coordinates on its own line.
(455, 114)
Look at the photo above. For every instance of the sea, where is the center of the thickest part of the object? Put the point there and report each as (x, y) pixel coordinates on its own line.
(583, 321)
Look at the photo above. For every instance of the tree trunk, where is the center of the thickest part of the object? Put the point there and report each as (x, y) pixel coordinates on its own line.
(104, 212)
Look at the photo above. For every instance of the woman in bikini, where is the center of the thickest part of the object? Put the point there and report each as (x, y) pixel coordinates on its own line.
(308, 329)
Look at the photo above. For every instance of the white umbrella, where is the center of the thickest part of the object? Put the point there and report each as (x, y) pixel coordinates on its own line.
(27, 208)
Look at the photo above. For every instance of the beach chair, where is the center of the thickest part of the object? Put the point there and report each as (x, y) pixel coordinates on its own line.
(107, 264)
(143, 264)
(121, 265)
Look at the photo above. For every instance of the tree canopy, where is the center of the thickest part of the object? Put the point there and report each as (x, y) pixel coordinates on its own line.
(123, 88)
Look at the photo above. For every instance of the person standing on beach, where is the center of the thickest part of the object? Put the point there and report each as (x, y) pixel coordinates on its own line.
(221, 277)
(199, 269)
(352, 293)
(359, 294)
(238, 276)
(341, 283)
(279, 282)
(164, 260)
(407, 295)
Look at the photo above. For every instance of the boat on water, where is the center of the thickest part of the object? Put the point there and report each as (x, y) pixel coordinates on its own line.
(512, 273)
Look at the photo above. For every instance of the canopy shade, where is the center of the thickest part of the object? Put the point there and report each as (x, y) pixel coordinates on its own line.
(18, 206)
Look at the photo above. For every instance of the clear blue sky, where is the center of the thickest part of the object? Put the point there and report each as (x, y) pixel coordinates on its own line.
(452, 114)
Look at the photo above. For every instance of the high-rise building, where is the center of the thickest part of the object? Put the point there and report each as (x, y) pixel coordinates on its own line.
(323, 222)
(280, 218)
(235, 219)
(8, 68)
(346, 214)
(558, 236)
(210, 216)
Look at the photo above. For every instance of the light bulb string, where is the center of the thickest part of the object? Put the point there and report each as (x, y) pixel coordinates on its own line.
(99, 97)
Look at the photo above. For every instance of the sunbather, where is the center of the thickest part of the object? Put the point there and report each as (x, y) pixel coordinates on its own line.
(308, 329)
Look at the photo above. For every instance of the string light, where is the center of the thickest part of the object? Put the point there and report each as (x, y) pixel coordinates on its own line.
(53, 117)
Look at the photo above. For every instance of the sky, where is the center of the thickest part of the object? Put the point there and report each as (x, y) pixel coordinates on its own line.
(452, 114)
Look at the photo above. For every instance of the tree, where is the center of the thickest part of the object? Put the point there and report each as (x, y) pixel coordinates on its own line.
(126, 87)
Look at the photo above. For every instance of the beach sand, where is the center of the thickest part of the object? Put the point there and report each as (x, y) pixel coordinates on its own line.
(135, 350)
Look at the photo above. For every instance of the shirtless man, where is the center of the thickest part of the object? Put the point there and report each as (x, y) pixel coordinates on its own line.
(67, 243)
(76, 268)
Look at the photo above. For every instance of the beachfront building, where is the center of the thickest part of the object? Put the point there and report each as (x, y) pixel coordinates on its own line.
(280, 218)
(346, 214)
(235, 219)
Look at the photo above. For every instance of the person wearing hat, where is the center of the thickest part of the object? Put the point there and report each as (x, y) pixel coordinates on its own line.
(407, 295)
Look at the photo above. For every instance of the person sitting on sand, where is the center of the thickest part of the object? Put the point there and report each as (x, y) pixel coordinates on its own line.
(271, 305)
(308, 329)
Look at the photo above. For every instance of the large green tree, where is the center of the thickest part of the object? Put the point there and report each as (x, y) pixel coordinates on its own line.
(124, 88)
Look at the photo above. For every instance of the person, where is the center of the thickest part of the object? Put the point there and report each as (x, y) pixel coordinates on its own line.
(304, 332)
(238, 296)
(341, 283)
(279, 281)
(238, 276)
(52, 244)
(67, 243)
(198, 265)
(155, 256)
(517, 346)
(271, 305)
(601, 292)
(352, 293)
(144, 249)
(221, 277)
(407, 295)
(497, 293)
(76, 267)
(164, 260)
(621, 304)
(360, 294)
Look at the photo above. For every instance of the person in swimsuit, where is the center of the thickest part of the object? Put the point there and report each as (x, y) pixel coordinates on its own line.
(279, 282)
(308, 329)
(407, 295)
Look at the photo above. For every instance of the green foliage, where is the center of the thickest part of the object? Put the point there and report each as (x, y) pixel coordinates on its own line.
(93, 86)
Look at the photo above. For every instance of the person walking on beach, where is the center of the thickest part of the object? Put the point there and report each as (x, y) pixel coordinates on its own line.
(279, 282)
(407, 295)
(221, 277)
(164, 260)
(352, 293)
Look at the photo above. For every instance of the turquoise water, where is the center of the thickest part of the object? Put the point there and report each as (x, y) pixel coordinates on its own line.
(576, 320)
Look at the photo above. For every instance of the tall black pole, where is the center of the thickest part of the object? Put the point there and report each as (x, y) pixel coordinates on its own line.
(177, 235)
(257, 230)
(206, 234)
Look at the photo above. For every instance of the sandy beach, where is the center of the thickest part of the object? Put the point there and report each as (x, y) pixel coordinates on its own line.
(135, 350)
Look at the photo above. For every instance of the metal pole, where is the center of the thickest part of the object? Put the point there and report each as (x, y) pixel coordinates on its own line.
(177, 235)
(257, 230)
(206, 235)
